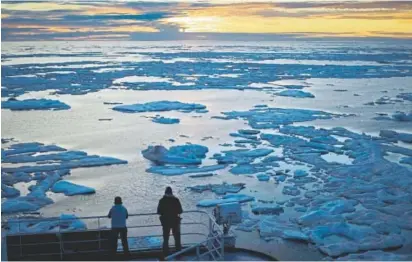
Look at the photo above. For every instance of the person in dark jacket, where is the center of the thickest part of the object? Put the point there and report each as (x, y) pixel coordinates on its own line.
(169, 209)
(118, 213)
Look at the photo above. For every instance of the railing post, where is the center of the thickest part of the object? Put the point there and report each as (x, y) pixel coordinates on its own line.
(4, 245)
(198, 253)
(60, 240)
(222, 248)
(98, 228)
(209, 239)
(21, 248)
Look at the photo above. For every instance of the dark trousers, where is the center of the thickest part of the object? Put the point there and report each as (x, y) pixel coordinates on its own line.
(174, 225)
(123, 237)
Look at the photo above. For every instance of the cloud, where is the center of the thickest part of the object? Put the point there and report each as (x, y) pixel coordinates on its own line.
(185, 19)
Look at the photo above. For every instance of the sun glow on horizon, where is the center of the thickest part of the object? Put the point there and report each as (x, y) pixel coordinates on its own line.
(316, 18)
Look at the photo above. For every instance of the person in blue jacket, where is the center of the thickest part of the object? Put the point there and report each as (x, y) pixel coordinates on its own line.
(118, 213)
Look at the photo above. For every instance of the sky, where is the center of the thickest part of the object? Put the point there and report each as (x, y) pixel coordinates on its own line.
(196, 20)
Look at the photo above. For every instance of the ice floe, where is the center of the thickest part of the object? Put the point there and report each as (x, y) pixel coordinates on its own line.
(177, 155)
(50, 164)
(66, 222)
(405, 96)
(176, 170)
(395, 136)
(225, 199)
(261, 118)
(375, 255)
(159, 106)
(34, 104)
(219, 189)
(267, 209)
(402, 116)
(295, 93)
(70, 189)
(165, 120)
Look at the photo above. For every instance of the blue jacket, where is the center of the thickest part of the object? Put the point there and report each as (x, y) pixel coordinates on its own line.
(118, 214)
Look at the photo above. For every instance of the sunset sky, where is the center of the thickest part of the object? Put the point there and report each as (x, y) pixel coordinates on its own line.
(223, 19)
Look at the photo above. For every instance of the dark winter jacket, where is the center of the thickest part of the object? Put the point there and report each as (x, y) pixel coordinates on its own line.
(169, 208)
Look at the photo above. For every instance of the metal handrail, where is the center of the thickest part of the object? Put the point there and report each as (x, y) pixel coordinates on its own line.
(39, 220)
(215, 232)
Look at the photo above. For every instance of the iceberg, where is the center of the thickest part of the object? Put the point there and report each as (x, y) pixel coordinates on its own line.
(34, 104)
(159, 106)
(295, 93)
(70, 189)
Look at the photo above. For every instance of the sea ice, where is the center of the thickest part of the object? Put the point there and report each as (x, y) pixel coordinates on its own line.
(176, 170)
(226, 199)
(246, 169)
(406, 160)
(89, 161)
(267, 209)
(405, 96)
(260, 118)
(374, 255)
(248, 132)
(66, 222)
(189, 154)
(159, 106)
(241, 156)
(9, 191)
(219, 189)
(165, 120)
(34, 104)
(295, 93)
(395, 136)
(263, 177)
(300, 173)
(336, 239)
(272, 226)
(70, 189)
(34, 147)
(202, 175)
(402, 116)
(49, 168)
(290, 190)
